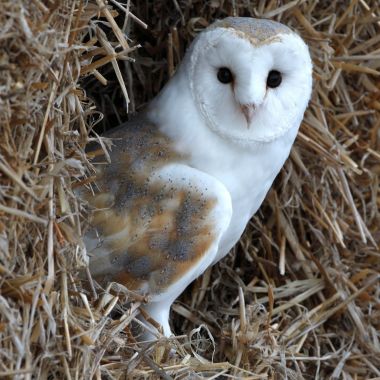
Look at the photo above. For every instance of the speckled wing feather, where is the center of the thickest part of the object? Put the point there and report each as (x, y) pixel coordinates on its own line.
(156, 221)
(261, 30)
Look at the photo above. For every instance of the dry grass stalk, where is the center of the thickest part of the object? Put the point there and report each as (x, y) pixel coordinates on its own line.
(298, 298)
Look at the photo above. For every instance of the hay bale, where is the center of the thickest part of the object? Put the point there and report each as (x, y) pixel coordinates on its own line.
(299, 297)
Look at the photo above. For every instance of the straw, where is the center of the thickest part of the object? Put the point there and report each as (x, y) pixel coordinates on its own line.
(297, 298)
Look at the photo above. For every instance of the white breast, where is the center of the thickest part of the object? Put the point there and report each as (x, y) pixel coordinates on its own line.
(247, 175)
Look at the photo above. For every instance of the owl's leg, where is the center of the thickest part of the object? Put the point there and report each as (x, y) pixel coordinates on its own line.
(159, 311)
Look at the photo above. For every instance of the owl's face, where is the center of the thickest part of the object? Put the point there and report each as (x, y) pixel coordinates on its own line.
(252, 82)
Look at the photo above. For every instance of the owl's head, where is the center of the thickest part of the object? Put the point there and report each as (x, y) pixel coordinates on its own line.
(250, 78)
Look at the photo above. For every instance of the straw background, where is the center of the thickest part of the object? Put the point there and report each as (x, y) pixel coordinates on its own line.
(299, 296)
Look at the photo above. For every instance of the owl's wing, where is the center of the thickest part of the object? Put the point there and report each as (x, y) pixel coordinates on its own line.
(157, 222)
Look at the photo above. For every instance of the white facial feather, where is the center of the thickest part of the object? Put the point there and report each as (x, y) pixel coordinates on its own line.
(276, 110)
(208, 153)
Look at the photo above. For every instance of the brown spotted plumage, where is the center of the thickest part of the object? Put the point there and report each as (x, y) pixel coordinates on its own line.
(262, 31)
(147, 229)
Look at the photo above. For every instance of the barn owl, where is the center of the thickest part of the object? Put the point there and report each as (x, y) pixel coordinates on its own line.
(187, 174)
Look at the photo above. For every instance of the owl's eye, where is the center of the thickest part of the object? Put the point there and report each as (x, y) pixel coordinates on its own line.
(274, 79)
(224, 75)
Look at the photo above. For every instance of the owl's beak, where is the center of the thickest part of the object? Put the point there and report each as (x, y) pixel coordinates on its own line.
(248, 111)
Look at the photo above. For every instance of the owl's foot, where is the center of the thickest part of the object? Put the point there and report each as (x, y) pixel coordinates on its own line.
(156, 316)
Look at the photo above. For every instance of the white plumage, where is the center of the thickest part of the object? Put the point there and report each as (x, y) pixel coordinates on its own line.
(188, 174)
